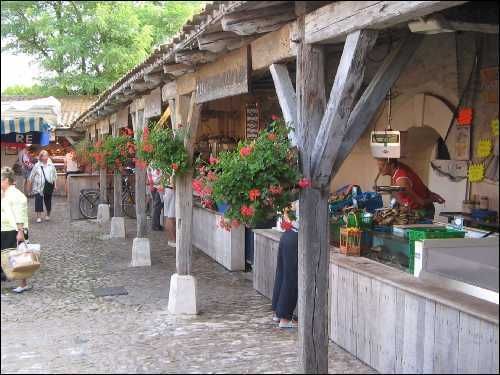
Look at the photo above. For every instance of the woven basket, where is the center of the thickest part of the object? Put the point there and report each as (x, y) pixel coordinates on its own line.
(12, 275)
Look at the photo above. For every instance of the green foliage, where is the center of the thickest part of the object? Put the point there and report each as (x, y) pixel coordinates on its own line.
(163, 149)
(258, 179)
(83, 150)
(87, 45)
(35, 90)
(112, 153)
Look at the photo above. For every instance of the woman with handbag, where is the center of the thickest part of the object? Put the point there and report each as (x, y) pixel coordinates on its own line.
(14, 225)
(43, 183)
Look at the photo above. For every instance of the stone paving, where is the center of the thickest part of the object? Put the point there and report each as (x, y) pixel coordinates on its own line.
(60, 327)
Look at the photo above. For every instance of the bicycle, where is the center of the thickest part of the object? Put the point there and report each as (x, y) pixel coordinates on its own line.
(89, 199)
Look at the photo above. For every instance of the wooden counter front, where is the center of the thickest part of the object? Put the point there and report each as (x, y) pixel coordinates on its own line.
(226, 248)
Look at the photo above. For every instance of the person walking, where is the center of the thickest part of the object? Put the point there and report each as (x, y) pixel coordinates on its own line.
(169, 212)
(43, 183)
(285, 292)
(26, 164)
(154, 178)
(14, 224)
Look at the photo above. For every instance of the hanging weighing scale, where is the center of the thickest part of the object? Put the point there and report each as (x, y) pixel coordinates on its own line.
(388, 144)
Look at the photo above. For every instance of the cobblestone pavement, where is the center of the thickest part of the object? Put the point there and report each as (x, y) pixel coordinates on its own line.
(60, 327)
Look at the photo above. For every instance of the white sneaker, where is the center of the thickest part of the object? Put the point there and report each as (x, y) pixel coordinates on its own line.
(21, 289)
(47, 218)
(171, 244)
(289, 324)
(276, 319)
(38, 219)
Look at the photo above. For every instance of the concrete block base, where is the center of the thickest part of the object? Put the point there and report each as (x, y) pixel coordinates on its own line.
(117, 227)
(103, 215)
(141, 253)
(182, 295)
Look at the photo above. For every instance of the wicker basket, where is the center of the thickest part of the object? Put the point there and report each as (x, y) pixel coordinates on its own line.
(7, 269)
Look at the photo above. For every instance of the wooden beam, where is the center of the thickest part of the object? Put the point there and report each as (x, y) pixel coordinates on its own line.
(248, 22)
(140, 183)
(155, 78)
(169, 91)
(177, 69)
(140, 86)
(347, 83)
(218, 42)
(192, 57)
(274, 47)
(184, 194)
(286, 97)
(438, 23)
(313, 233)
(333, 22)
(117, 181)
(373, 96)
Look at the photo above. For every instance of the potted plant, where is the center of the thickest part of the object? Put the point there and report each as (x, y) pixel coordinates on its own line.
(258, 180)
(113, 153)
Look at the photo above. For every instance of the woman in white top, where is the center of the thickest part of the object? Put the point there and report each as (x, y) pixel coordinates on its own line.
(43, 182)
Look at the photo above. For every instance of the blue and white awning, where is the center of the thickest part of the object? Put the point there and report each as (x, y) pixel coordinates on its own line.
(25, 125)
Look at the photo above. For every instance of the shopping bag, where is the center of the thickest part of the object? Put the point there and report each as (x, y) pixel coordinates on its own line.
(25, 258)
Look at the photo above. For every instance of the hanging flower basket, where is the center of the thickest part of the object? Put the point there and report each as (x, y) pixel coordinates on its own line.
(163, 149)
(258, 180)
(113, 153)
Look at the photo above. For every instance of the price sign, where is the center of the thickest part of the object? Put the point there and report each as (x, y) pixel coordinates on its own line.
(252, 121)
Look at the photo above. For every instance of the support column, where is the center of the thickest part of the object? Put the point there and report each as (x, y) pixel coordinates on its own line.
(103, 214)
(182, 296)
(141, 251)
(313, 232)
(117, 221)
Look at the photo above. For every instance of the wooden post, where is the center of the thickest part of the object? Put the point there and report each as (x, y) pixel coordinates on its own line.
(140, 186)
(183, 184)
(369, 103)
(103, 186)
(313, 232)
(286, 97)
(345, 88)
(117, 184)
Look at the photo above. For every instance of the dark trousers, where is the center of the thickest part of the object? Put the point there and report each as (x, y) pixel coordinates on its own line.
(40, 199)
(285, 291)
(157, 207)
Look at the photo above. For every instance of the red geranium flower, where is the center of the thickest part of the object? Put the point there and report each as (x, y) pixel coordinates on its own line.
(253, 194)
(245, 151)
(247, 211)
(304, 183)
(148, 147)
(213, 160)
(286, 225)
(175, 166)
(197, 186)
(271, 136)
(275, 117)
(207, 190)
(275, 189)
(211, 176)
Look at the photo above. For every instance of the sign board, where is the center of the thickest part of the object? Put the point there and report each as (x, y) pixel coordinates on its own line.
(252, 121)
(31, 138)
(227, 76)
(152, 104)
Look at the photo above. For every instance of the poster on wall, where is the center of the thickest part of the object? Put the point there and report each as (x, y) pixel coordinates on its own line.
(252, 121)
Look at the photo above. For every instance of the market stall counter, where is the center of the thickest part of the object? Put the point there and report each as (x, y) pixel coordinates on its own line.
(393, 321)
(225, 247)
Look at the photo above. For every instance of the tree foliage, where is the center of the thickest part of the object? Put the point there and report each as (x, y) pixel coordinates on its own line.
(85, 45)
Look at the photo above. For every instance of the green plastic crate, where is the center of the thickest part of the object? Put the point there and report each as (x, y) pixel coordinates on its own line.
(425, 234)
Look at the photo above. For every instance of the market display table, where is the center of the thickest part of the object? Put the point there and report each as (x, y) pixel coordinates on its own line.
(226, 248)
(77, 182)
(397, 323)
(470, 221)
(394, 321)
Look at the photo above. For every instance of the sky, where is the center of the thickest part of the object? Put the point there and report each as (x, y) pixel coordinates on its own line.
(18, 70)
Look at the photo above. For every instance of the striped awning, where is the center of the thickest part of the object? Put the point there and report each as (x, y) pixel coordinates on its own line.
(25, 125)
